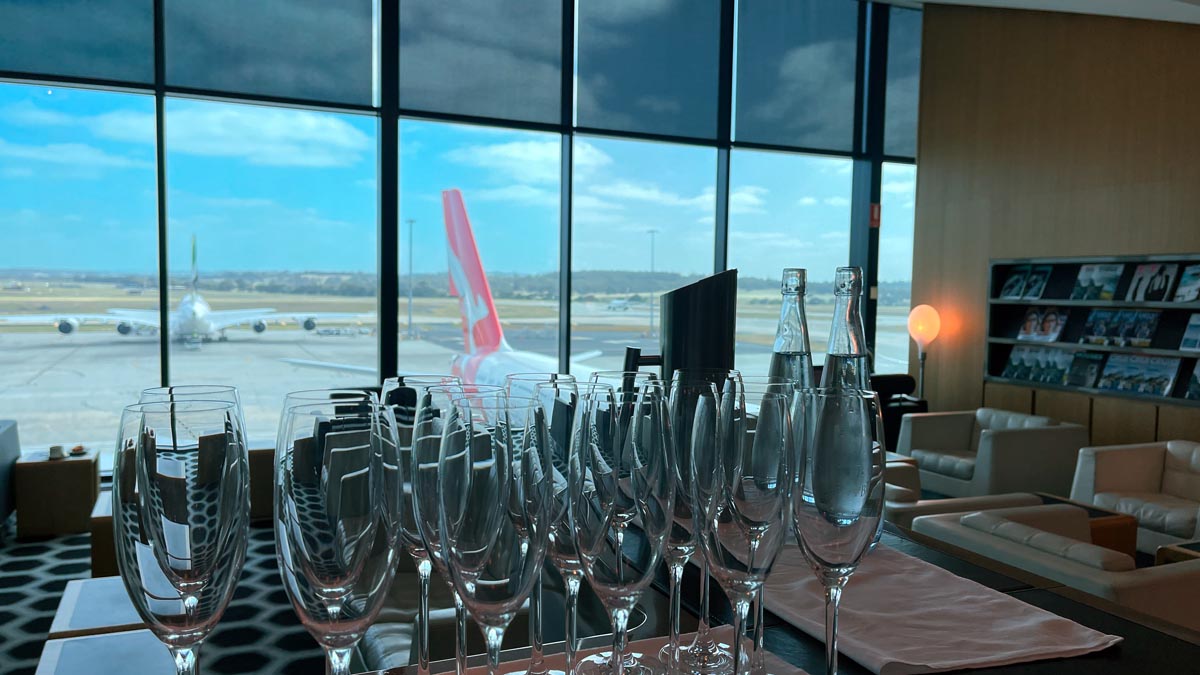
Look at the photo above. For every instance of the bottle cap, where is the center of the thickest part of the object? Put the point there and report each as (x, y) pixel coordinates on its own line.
(794, 280)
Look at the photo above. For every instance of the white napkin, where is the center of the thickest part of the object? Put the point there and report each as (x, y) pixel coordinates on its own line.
(901, 615)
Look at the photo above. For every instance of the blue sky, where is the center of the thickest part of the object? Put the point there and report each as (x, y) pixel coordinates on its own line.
(280, 189)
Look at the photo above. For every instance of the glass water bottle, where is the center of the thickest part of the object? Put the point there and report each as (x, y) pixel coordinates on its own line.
(791, 357)
(846, 361)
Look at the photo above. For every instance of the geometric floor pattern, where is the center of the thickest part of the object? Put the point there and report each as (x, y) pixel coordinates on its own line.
(259, 632)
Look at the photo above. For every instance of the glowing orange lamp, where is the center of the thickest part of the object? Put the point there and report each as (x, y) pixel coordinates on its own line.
(923, 326)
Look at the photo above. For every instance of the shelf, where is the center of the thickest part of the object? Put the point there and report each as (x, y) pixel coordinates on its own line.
(1078, 346)
(1092, 391)
(1100, 304)
(1184, 258)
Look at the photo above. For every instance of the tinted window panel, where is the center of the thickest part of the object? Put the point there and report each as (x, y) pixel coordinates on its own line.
(489, 59)
(104, 39)
(308, 49)
(795, 72)
(897, 214)
(649, 66)
(903, 82)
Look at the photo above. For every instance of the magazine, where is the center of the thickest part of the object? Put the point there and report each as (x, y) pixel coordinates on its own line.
(1151, 375)
(1098, 325)
(1193, 384)
(1191, 336)
(1043, 324)
(1152, 282)
(1097, 282)
(1130, 328)
(1014, 286)
(1015, 365)
(1036, 284)
(1189, 285)
(1085, 369)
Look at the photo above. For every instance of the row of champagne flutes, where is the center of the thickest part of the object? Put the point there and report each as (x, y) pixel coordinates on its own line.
(479, 482)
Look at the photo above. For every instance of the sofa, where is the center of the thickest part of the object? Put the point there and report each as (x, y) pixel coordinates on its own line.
(1054, 541)
(989, 451)
(1157, 483)
(10, 450)
(902, 497)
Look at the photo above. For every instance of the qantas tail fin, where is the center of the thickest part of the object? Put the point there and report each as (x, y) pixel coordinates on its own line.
(481, 326)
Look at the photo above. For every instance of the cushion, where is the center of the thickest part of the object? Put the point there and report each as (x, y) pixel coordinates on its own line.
(1154, 511)
(1181, 470)
(1074, 550)
(954, 464)
(992, 418)
(896, 493)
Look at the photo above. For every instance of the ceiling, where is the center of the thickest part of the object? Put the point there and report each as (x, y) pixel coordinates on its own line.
(1182, 11)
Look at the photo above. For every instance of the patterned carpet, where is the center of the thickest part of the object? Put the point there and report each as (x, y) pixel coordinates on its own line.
(258, 634)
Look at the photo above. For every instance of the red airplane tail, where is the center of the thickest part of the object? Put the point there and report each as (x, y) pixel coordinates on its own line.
(481, 326)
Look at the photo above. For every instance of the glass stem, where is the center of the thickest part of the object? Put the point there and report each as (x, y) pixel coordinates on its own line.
(676, 580)
(757, 661)
(424, 569)
(572, 628)
(833, 595)
(495, 638)
(460, 636)
(185, 660)
(537, 664)
(702, 637)
(338, 661)
(741, 607)
(620, 622)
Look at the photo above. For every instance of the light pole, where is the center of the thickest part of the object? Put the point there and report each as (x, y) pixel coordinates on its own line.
(652, 232)
(411, 222)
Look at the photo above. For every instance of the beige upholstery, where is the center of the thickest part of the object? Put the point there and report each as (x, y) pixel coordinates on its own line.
(1032, 538)
(902, 497)
(1157, 483)
(990, 451)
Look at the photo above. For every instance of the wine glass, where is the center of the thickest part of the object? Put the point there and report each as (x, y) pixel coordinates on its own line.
(400, 395)
(627, 380)
(434, 409)
(837, 493)
(561, 402)
(181, 514)
(495, 479)
(741, 482)
(621, 503)
(337, 518)
(704, 655)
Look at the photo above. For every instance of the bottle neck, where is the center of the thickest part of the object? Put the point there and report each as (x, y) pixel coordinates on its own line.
(791, 337)
(846, 336)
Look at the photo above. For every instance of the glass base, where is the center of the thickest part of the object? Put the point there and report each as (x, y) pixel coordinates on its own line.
(636, 663)
(706, 657)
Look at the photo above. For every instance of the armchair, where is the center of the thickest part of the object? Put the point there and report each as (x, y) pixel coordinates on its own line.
(1157, 483)
(989, 451)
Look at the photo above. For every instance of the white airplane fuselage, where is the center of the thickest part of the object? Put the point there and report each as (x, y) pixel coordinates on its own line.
(191, 320)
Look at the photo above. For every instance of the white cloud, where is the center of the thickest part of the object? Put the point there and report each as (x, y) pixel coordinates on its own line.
(627, 11)
(658, 104)
(807, 201)
(747, 199)
(836, 201)
(71, 154)
(266, 136)
(523, 161)
(899, 187)
(238, 202)
(835, 235)
(650, 193)
(520, 194)
(586, 202)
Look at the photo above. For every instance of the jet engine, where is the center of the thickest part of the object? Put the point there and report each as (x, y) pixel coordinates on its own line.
(67, 326)
(309, 324)
(259, 326)
(124, 328)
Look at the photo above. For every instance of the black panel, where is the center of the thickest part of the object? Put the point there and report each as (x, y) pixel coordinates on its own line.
(99, 39)
(903, 82)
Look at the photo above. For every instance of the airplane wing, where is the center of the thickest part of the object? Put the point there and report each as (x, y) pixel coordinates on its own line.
(146, 318)
(308, 320)
(329, 365)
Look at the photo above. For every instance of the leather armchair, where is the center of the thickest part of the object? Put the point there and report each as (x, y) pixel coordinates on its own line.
(1053, 541)
(902, 497)
(989, 451)
(1157, 483)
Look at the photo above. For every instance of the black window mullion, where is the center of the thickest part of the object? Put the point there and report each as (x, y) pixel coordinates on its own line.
(389, 189)
(565, 185)
(160, 178)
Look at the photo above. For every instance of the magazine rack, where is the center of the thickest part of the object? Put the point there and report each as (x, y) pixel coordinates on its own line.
(1125, 326)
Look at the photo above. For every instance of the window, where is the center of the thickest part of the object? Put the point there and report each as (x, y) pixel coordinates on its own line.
(272, 216)
(897, 215)
(649, 66)
(785, 210)
(642, 216)
(483, 59)
(305, 49)
(103, 39)
(79, 261)
(795, 73)
(507, 183)
(903, 82)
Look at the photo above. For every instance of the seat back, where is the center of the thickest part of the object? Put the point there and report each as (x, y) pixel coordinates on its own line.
(1181, 470)
(993, 418)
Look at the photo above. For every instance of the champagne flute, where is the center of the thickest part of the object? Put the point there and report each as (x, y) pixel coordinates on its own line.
(621, 504)
(741, 480)
(704, 655)
(434, 408)
(400, 395)
(181, 514)
(837, 493)
(495, 480)
(337, 518)
(619, 380)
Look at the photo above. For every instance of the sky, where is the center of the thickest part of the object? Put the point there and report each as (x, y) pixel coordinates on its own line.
(281, 189)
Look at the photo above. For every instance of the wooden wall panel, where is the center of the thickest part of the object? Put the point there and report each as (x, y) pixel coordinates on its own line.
(1064, 406)
(1008, 397)
(1178, 423)
(1045, 134)
(1116, 421)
